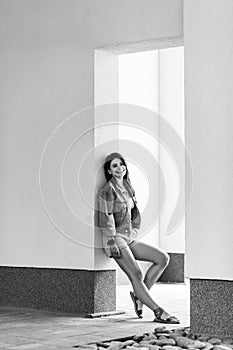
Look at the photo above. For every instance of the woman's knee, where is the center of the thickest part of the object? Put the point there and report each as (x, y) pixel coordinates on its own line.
(165, 258)
(161, 258)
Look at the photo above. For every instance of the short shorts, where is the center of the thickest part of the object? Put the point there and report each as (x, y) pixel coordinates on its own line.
(122, 242)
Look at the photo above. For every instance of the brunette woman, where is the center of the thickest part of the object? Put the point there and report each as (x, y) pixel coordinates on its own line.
(119, 220)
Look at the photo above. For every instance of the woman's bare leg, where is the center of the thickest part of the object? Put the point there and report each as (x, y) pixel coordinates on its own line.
(129, 265)
(159, 259)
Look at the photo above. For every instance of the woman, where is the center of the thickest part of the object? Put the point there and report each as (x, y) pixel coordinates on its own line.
(119, 219)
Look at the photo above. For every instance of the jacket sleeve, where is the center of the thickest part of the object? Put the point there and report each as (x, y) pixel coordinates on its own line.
(106, 221)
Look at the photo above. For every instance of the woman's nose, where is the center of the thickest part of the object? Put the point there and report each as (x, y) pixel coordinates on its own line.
(120, 168)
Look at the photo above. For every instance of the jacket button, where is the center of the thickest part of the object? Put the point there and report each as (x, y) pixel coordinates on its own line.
(127, 221)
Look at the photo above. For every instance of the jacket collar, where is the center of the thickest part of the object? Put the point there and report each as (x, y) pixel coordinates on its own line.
(126, 183)
(114, 181)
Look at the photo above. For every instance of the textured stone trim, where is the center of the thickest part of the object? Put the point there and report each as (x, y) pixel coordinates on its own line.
(62, 290)
(211, 307)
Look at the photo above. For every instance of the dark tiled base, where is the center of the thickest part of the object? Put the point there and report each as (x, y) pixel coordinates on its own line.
(65, 290)
(211, 307)
(174, 272)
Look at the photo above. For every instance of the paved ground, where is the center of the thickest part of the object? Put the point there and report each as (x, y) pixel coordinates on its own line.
(32, 329)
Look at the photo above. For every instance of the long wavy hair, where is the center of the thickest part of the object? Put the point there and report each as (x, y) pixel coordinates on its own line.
(107, 163)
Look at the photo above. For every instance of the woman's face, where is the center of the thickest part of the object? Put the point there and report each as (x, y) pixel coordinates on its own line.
(117, 168)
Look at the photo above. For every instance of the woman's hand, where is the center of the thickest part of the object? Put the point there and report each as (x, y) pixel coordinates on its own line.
(115, 251)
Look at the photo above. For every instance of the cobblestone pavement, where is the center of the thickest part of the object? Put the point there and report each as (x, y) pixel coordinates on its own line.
(33, 329)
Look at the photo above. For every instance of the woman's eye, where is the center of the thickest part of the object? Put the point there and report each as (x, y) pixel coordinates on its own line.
(116, 165)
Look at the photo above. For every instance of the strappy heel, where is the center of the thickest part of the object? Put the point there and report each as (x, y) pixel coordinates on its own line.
(169, 320)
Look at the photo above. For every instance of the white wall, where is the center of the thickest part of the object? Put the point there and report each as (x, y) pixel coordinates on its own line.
(47, 62)
(171, 108)
(208, 46)
(155, 80)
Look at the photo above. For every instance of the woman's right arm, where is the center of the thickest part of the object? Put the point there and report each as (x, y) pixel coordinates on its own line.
(106, 219)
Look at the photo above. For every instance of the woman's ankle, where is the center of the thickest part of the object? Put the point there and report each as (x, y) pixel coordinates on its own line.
(140, 304)
(158, 311)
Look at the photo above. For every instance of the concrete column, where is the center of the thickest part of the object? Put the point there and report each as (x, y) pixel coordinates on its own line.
(208, 28)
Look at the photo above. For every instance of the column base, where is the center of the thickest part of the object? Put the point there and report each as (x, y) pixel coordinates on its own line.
(78, 292)
(211, 307)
